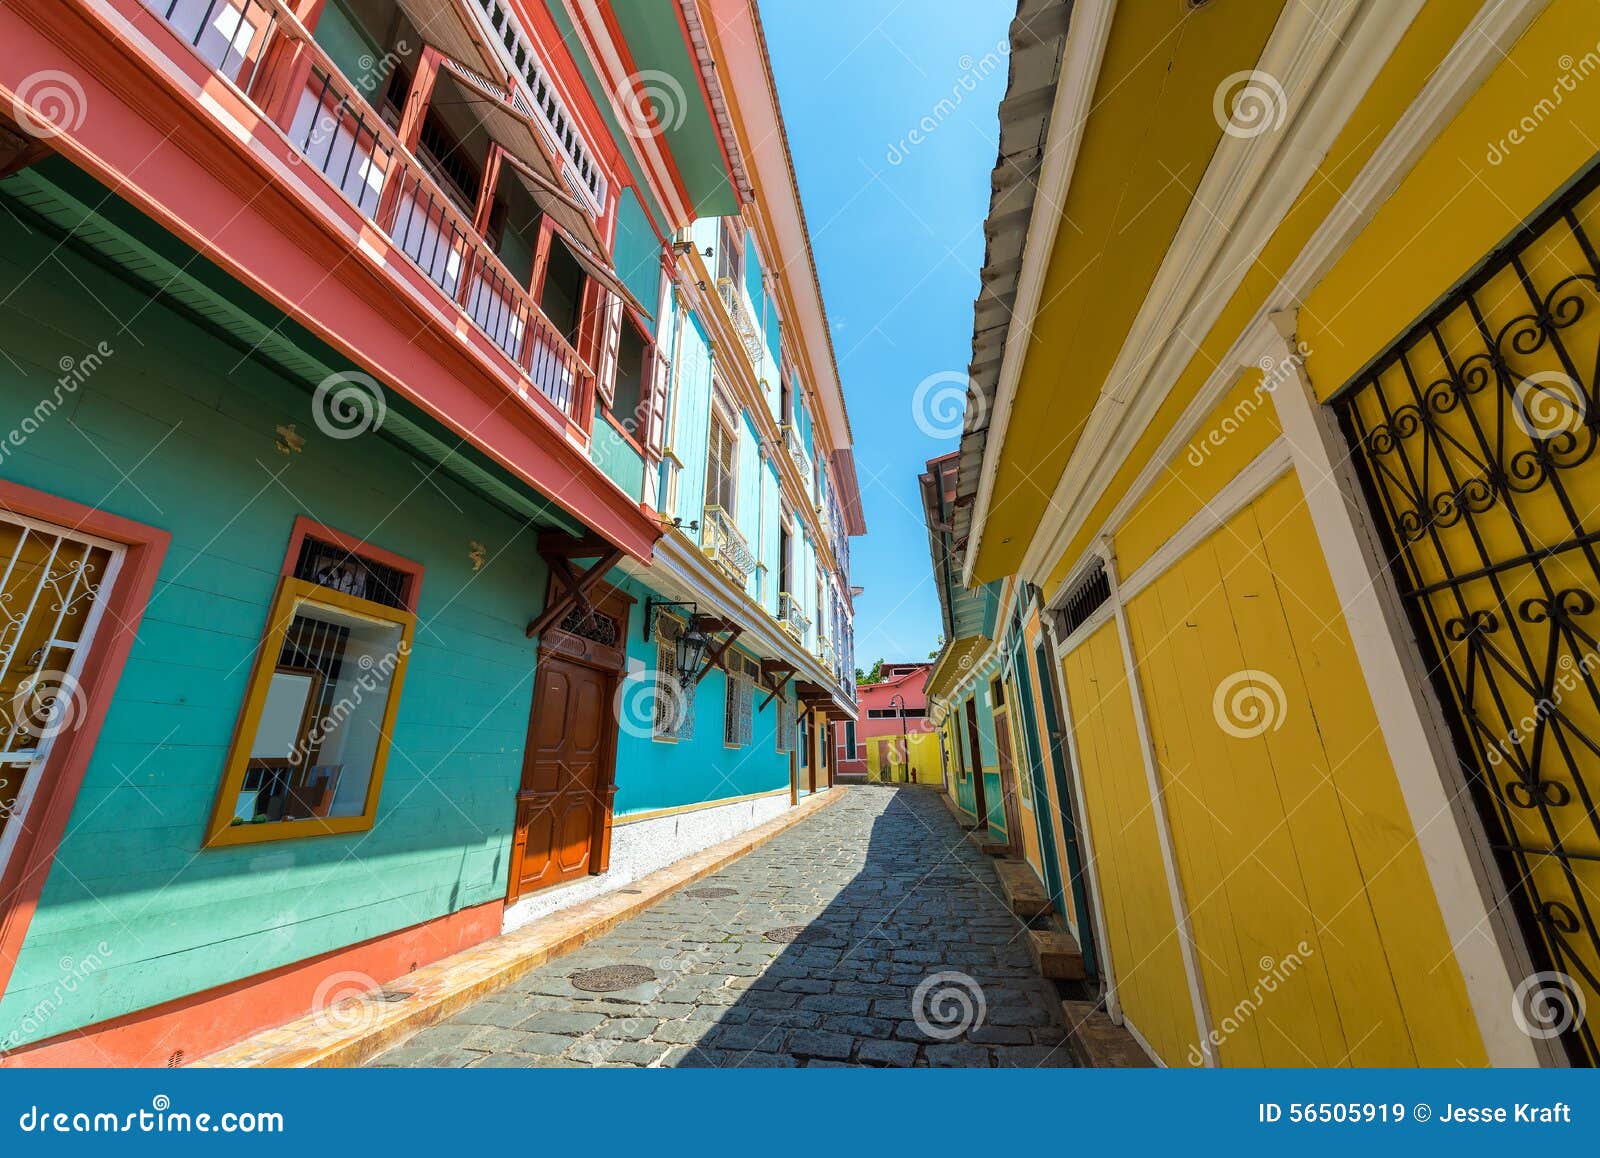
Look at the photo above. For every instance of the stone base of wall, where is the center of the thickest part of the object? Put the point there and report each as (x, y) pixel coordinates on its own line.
(641, 847)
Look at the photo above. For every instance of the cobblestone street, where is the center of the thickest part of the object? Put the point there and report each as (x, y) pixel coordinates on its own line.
(870, 934)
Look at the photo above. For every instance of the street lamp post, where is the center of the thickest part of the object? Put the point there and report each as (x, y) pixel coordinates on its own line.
(905, 736)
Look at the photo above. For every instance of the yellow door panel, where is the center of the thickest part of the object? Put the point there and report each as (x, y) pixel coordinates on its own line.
(1318, 936)
(1144, 950)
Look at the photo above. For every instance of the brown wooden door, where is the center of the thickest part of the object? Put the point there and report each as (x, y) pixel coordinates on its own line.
(1008, 781)
(563, 820)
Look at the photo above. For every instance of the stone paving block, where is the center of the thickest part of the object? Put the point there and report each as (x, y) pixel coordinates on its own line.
(888, 1053)
(821, 1043)
(888, 905)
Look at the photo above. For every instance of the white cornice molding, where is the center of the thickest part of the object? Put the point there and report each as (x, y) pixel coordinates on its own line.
(681, 570)
(1140, 383)
(1088, 30)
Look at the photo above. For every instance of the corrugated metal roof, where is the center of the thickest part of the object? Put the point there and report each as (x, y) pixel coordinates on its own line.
(1038, 39)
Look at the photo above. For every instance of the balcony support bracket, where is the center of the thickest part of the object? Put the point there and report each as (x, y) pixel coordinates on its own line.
(715, 651)
(559, 551)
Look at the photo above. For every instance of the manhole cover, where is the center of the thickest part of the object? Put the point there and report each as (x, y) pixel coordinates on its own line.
(787, 934)
(610, 978)
(711, 894)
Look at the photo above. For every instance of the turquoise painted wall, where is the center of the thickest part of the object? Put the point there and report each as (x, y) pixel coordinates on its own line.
(638, 252)
(653, 774)
(691, 419)
(196, 427)
(612, 453)
(772, 503)
(749, 514)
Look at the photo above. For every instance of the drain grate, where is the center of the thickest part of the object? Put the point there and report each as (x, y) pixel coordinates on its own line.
(790, 934)
(711, 893)
(611, 978)
(391, 996)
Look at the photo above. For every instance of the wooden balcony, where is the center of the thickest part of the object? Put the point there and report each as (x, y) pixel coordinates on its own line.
(373, 160)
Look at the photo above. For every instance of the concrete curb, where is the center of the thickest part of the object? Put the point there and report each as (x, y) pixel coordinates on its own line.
(353, 1031)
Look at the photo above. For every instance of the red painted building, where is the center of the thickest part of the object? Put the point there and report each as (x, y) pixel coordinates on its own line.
(892, 740)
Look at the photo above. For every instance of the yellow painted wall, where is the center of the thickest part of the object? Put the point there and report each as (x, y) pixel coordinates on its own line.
(922, 747)
(1144, 950)
(1424, 45)
(1291, 835)
(1456, 205)
(1150, 137)
(1240, 427)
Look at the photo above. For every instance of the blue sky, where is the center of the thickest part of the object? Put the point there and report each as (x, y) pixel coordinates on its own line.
(896, 187)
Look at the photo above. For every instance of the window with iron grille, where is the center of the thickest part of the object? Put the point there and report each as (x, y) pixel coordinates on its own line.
(1087, 596)
(674, 703)
(333, 567)
(738, 705)
(785, 722)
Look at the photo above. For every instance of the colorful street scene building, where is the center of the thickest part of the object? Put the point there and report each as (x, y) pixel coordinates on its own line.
(1263, 557)
(892, 742)
(431, 495)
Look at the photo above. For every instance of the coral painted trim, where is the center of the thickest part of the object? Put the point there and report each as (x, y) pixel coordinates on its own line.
(191, 1027)
(62, 776)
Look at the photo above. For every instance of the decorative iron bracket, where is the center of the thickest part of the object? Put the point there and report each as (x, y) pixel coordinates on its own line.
(652, 608)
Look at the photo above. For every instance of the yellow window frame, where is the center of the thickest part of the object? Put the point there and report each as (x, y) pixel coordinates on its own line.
(292, 595)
